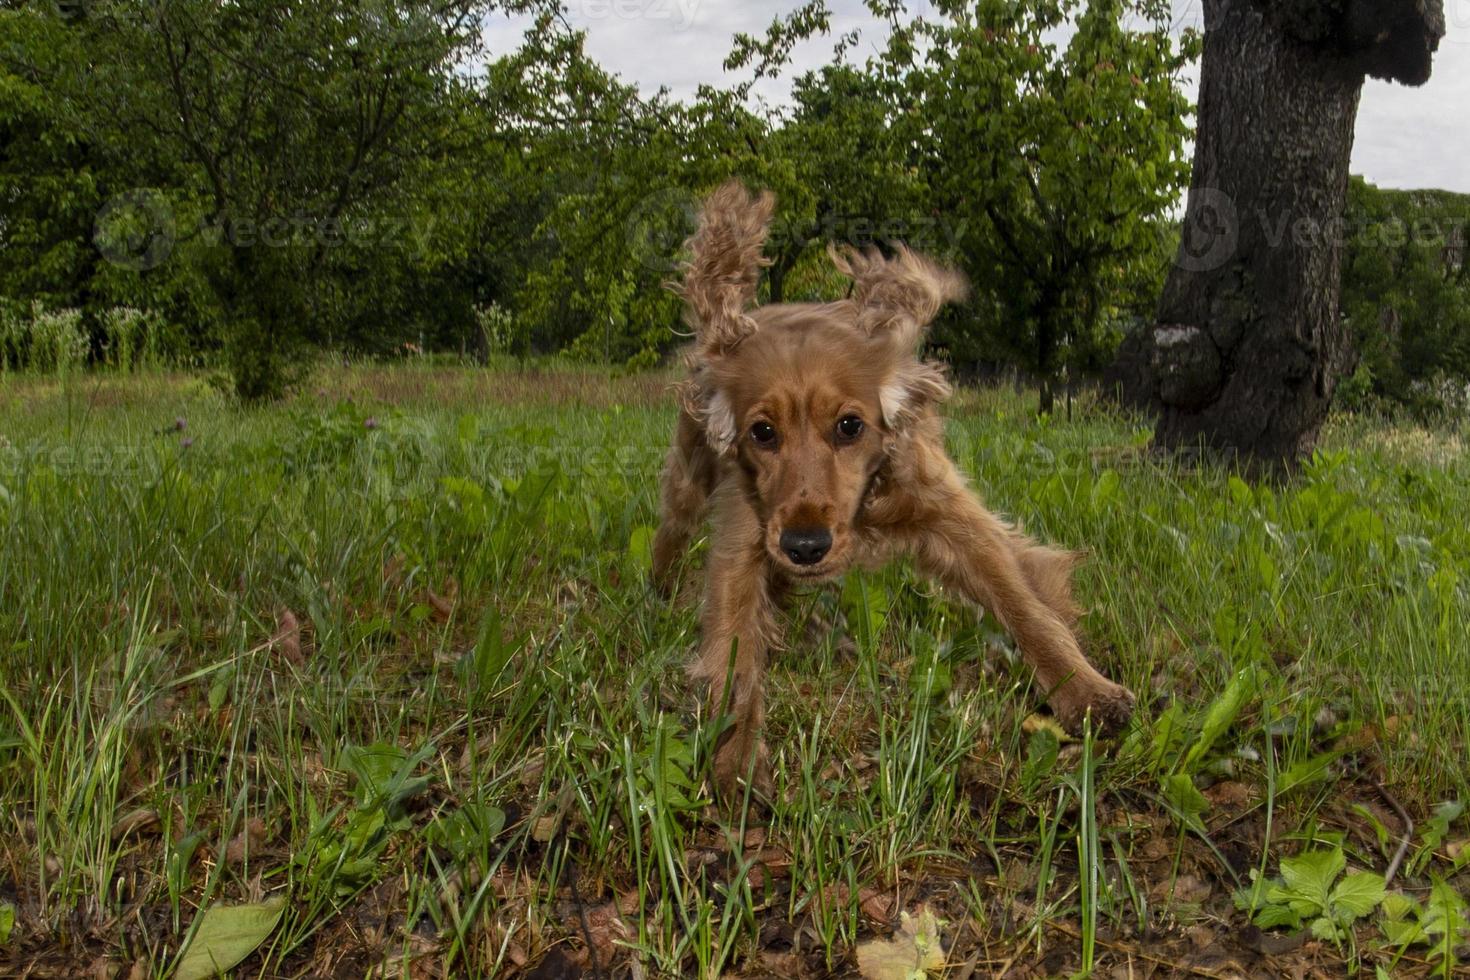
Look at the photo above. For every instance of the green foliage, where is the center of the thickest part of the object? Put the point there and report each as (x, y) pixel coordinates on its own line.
(45, 341)
(1442, 922)
(1060, 164)
(346, 851)
(1311, 893)
(268, 185)
(1406, 295)
(140, 672)
(226, 934)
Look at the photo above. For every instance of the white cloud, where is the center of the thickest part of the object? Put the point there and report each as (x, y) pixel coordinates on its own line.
(1406, 137)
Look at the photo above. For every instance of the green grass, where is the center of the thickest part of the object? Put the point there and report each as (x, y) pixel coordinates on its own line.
(479, 749)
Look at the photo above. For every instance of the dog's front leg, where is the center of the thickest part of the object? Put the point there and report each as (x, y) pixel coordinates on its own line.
(684, 485)
(739, 628)
(971, 551)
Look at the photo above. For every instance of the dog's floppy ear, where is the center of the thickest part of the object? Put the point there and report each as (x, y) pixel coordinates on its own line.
(721, 275)
(913, 387)
(899, 296)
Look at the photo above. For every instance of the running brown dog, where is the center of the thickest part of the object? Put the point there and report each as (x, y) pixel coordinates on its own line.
(811, 433)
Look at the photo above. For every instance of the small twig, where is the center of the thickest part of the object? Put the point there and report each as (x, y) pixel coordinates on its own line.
(1175, 967)
(582, 918)
(1403, 849)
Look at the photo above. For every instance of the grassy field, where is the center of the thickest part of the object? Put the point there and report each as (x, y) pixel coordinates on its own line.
(380, 665)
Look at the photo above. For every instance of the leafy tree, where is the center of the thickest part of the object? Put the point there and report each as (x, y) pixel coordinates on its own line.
(1058, 163)
(300, 125)
(1048, 167)
(850, 171)
(1406, 294)
(49, 189)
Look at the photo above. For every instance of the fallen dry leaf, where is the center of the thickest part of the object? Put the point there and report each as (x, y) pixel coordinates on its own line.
(543, 829)
(914, 952)
(443, 605)
(605, 928)
(287, 638)
(877, 905)
(1229, 794)
(1186, 889)
(393, 570)
(1201, 937)
(135, 822)
(249, 839)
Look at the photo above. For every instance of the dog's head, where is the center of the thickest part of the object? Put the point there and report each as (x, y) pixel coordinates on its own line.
(806, 398)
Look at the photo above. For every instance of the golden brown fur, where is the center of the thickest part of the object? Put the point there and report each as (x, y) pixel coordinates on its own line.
(799, 492)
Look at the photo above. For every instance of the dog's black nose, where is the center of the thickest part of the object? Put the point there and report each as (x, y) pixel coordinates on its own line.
(806, 545)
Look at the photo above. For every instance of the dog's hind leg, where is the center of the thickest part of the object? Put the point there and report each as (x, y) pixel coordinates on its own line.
(740, 626)
(688, 477)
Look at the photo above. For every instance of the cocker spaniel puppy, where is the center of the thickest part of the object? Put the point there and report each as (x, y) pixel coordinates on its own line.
(811, 434)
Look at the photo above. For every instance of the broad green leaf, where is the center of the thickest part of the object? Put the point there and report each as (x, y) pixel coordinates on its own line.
(1240, 493)
(1188, 802)
(1310, 770)
(1357, 895)
(7, 921)
(1310, 875)
(1397, 905)
(866, 605)
(466, 830)
(1105, 490)
(1221, 714)
(1403, 932)
(640, 547)
(384, 773)
(483, 666)
(1444, 913)
(1041, 757)
(1276, 916)
(228, 934)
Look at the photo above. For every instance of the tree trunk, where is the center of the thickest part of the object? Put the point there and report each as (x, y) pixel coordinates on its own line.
(1248, 344)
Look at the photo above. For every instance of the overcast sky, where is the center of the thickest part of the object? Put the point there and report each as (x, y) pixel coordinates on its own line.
(1407, 137)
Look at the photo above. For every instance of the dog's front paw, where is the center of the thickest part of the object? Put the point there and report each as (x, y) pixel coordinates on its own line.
(1111, 705)
(742, 760)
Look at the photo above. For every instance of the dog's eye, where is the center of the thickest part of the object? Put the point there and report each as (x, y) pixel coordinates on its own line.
(763, 433)
(849, 427)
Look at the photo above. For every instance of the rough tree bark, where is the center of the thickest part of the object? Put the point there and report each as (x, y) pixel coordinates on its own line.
(1248, 342)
